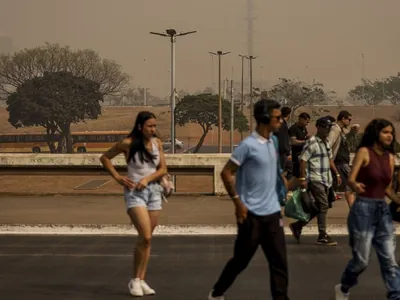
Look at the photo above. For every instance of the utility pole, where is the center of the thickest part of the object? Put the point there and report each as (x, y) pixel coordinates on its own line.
(219, 54)
(232, 116)
(242, 91)
(172, 35)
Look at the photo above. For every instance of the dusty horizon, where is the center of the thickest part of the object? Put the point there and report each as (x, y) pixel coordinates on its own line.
(314, 39)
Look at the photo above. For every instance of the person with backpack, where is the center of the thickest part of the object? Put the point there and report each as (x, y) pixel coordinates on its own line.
(256, 198)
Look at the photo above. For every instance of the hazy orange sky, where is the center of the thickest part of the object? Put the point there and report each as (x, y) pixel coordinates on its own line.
(321, 39)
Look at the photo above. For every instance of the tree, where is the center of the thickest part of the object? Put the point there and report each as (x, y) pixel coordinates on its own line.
(55, 101)
(17, 68)
(370, 91)
(391, 89)
(295, 94)
(203, 110)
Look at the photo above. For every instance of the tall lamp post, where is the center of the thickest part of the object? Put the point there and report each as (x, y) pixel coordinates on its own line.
(172, 35)
(251, 58)
(242, 92)
(219, 54)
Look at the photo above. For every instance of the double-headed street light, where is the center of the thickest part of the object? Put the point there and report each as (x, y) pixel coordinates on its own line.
(172, 34)
(219, 54)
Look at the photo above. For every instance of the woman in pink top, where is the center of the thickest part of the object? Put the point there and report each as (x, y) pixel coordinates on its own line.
(370, 221)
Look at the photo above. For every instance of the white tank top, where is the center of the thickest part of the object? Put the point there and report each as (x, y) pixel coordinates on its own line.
(138, 170)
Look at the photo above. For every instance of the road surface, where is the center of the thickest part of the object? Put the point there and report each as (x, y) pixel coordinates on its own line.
(86, 267)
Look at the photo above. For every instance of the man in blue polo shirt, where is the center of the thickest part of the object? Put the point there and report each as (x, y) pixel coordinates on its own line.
(258, 211)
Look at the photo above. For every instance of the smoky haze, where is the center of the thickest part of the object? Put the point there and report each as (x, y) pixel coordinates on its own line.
(308, 39)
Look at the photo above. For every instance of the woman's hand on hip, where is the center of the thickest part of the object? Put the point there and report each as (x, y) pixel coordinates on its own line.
(125, 181)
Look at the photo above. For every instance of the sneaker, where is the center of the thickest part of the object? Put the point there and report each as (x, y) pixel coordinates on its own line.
(325, 239)
(210, 297)
(135, 287)
(339, 295)
(296, 231)
(146, 289)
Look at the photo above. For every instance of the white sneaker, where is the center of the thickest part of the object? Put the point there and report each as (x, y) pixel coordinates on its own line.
(146, 289)
(135, 287)
(210, 297)
(339, 295)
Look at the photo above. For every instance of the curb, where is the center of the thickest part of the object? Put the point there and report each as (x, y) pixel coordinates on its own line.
(105, 194)
(161, 230)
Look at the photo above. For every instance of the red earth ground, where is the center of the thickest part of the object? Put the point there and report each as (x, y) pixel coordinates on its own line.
(122, 118)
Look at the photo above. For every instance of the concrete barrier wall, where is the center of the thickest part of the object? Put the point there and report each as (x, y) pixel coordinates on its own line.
(195, 161)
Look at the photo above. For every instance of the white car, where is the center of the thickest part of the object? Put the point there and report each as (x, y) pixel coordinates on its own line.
(178, 143)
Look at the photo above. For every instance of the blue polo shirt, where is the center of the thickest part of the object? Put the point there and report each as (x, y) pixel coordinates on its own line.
(256, 177)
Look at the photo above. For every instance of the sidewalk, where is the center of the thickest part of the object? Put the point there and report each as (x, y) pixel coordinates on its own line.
(110, 210)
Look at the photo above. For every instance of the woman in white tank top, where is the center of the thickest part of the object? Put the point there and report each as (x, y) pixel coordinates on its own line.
(143, 192)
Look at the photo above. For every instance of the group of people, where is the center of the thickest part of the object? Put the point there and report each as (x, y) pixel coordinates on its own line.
(271, 158)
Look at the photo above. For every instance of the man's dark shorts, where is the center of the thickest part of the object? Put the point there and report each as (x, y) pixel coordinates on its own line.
(344, 172)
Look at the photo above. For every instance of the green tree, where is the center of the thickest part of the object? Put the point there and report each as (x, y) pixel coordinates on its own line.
(369, 91)
(55, 101)
(391, 89)
(296, 94)
(17, 68)
(203, 110)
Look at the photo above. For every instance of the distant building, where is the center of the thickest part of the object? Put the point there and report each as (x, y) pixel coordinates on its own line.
(6, 45)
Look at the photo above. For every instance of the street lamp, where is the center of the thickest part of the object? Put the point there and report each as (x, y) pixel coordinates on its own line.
(242, 92)
(172, 34)
(219, 54)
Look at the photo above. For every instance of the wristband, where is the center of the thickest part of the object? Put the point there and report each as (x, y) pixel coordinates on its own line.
(337, 175)
(302, 179)
(235, 197)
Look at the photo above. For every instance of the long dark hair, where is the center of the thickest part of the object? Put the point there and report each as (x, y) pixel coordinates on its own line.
(138, 139)
(371, 134)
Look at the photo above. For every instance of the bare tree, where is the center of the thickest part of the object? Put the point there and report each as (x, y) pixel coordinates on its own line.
(17, 68)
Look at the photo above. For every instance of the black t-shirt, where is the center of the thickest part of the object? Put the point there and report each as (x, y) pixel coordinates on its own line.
(301, 134)
(283, 138)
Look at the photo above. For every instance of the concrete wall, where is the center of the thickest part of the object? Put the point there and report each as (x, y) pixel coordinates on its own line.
(215, 160)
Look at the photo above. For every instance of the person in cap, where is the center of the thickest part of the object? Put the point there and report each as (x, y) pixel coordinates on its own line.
(316, 169)
(255, 162)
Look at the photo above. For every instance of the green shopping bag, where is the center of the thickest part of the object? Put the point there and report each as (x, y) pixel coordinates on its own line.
(294, 208)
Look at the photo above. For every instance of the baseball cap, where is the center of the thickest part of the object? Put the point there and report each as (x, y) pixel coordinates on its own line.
(324, 122)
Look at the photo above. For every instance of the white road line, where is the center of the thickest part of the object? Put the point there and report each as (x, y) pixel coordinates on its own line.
(126, 230)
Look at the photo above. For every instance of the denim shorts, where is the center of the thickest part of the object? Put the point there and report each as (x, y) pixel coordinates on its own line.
(150, 197)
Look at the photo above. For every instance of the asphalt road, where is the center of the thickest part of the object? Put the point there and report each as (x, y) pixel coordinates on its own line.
(88, 267)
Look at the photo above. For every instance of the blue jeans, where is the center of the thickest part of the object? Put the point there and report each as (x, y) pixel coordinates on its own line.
(370, 223)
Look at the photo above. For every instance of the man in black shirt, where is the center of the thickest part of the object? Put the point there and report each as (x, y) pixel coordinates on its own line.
(340, 150)
(284, 143)
(298, 135)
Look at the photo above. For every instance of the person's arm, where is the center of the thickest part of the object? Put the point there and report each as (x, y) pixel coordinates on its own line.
(389, 190)
(293, 137)
(332, 164)
(161, 169)
(362, 156)
(118, 148)
(304, 157)
(228, 172)
(333, 140)
(238, 158)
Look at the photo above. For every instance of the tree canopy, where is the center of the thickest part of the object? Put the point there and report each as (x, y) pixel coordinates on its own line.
(17, 68)
(376, 91)
(55, 101)
(203, 110)
(295, 94)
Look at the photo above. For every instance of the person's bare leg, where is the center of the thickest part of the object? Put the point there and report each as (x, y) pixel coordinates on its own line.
(153, 215)
(350, 197)
(141, 220)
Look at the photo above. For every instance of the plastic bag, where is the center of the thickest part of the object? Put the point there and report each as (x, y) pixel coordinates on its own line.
(294, 207)
(308, 203)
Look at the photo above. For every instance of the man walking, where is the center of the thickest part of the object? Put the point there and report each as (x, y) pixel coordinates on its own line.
(298, 135)
(256, 202)
(337, 139)
(316, 168)
(284, 143)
